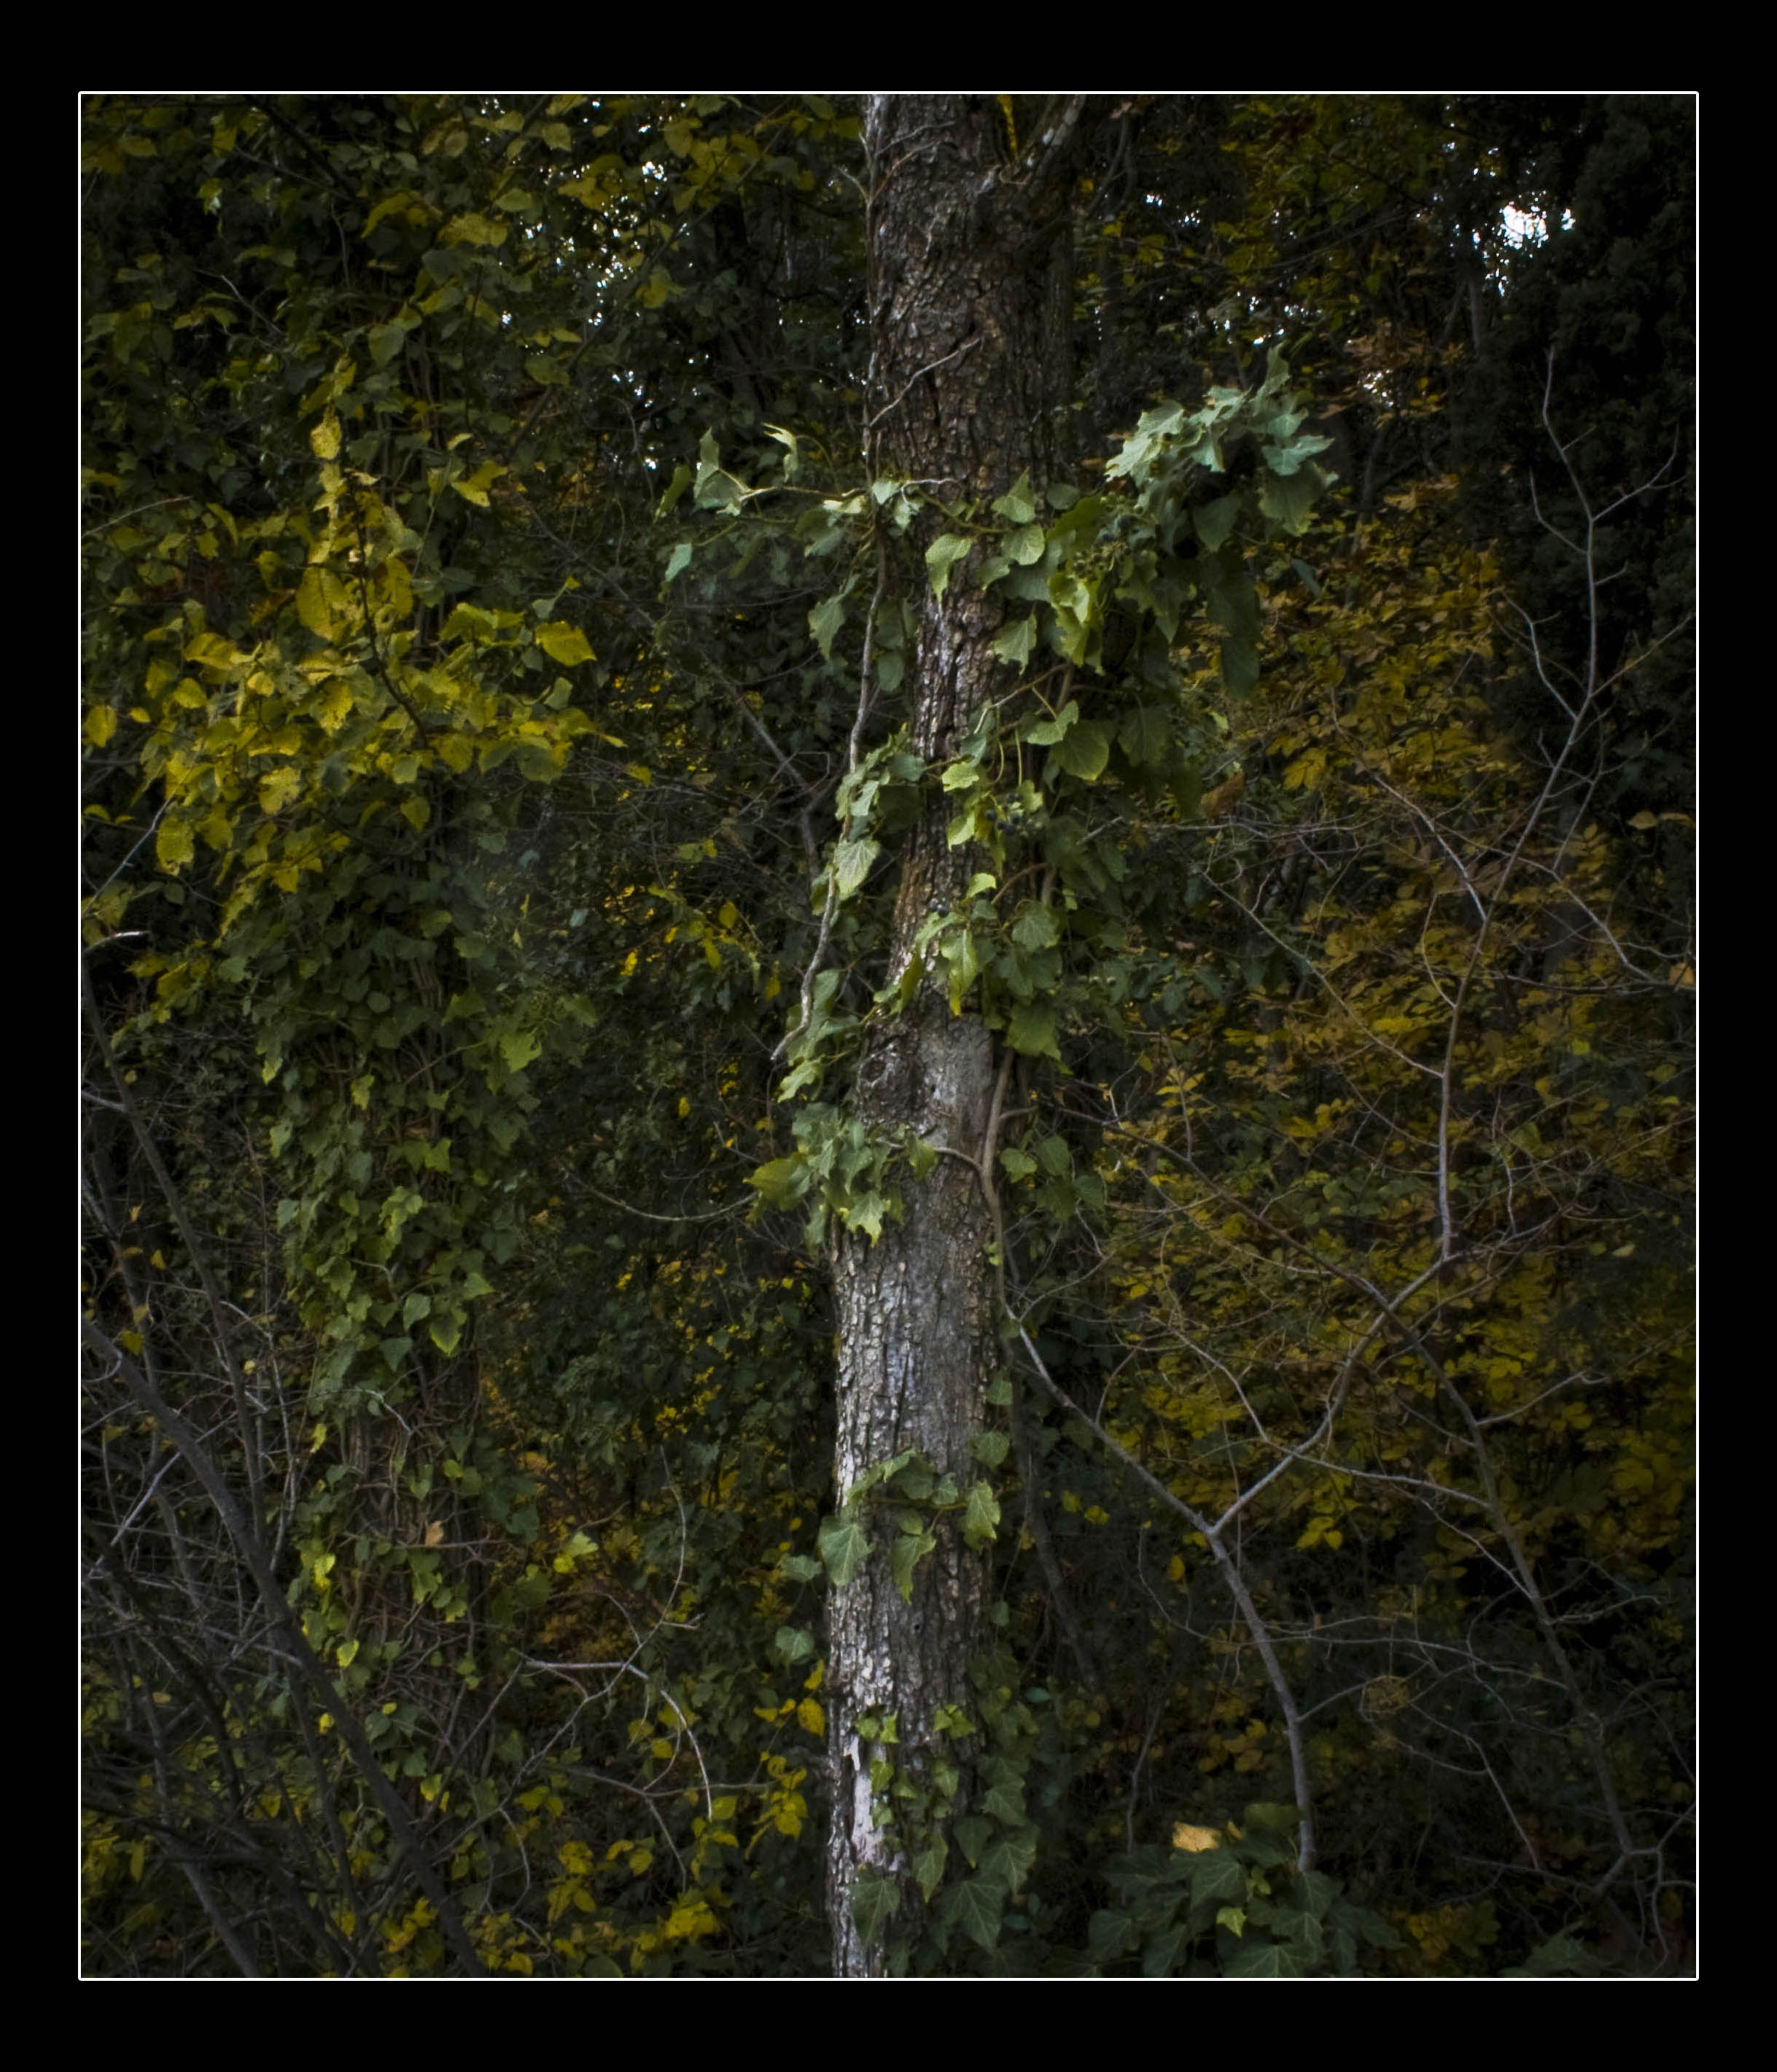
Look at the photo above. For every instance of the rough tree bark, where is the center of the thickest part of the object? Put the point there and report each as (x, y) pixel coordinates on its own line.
(970, 298)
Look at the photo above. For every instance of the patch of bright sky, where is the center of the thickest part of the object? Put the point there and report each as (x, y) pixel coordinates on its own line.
(1523, 228)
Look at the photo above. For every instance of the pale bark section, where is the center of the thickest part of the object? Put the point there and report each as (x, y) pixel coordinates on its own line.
(965, 363)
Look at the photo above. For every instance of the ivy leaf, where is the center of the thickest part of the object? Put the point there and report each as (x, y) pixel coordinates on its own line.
(873, 1900)
(991, 1448)
(981, 1517)
(1009, 1860)
(929, 1865)
(1005, 1803)
(973, 1835)
(844, 1548)
(905, 1555)
(1260, 1960)
(976, 1907)
(1217, 1874)
(1025, 545)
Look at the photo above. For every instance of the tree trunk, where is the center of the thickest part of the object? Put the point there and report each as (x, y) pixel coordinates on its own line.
(970, 300)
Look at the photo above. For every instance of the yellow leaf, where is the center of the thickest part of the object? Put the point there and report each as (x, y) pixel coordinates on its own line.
(101, 723)
(1195, 1840)
(313, 607)
(434, 1534)
(563, 643)
(325, 438)
(277, 790)
(173, 844)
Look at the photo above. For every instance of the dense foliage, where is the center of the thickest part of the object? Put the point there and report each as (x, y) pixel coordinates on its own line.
(497, 765)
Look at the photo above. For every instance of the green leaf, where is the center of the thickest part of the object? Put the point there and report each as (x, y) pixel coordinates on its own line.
(963, 963)
(976, 1907)
(790, 1643)
(1085, 751)
(1214, 521)
(1046, 733)
(982, 1516)
(1217, 1875)
(1031, 1030)
(852, 859)
(1010, 1859)
(824, 622)
(929, 1865)
(1016, 642)
(518, 1047)
(679, 560)
(1145, 738)
(973, 1835)
(1261, 1960)
(780, 1181)
(1274, 1816)
(1289, 501)
(844, 1548)
(906, 1553)
(386, 340)
(1036, 928)
(873, 1901)
(1025, 545)
(991, 1447)
(942, 556)
(1018, 505)
(682, 479)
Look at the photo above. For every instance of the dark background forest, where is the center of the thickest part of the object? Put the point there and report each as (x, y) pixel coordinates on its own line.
(498, 655)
